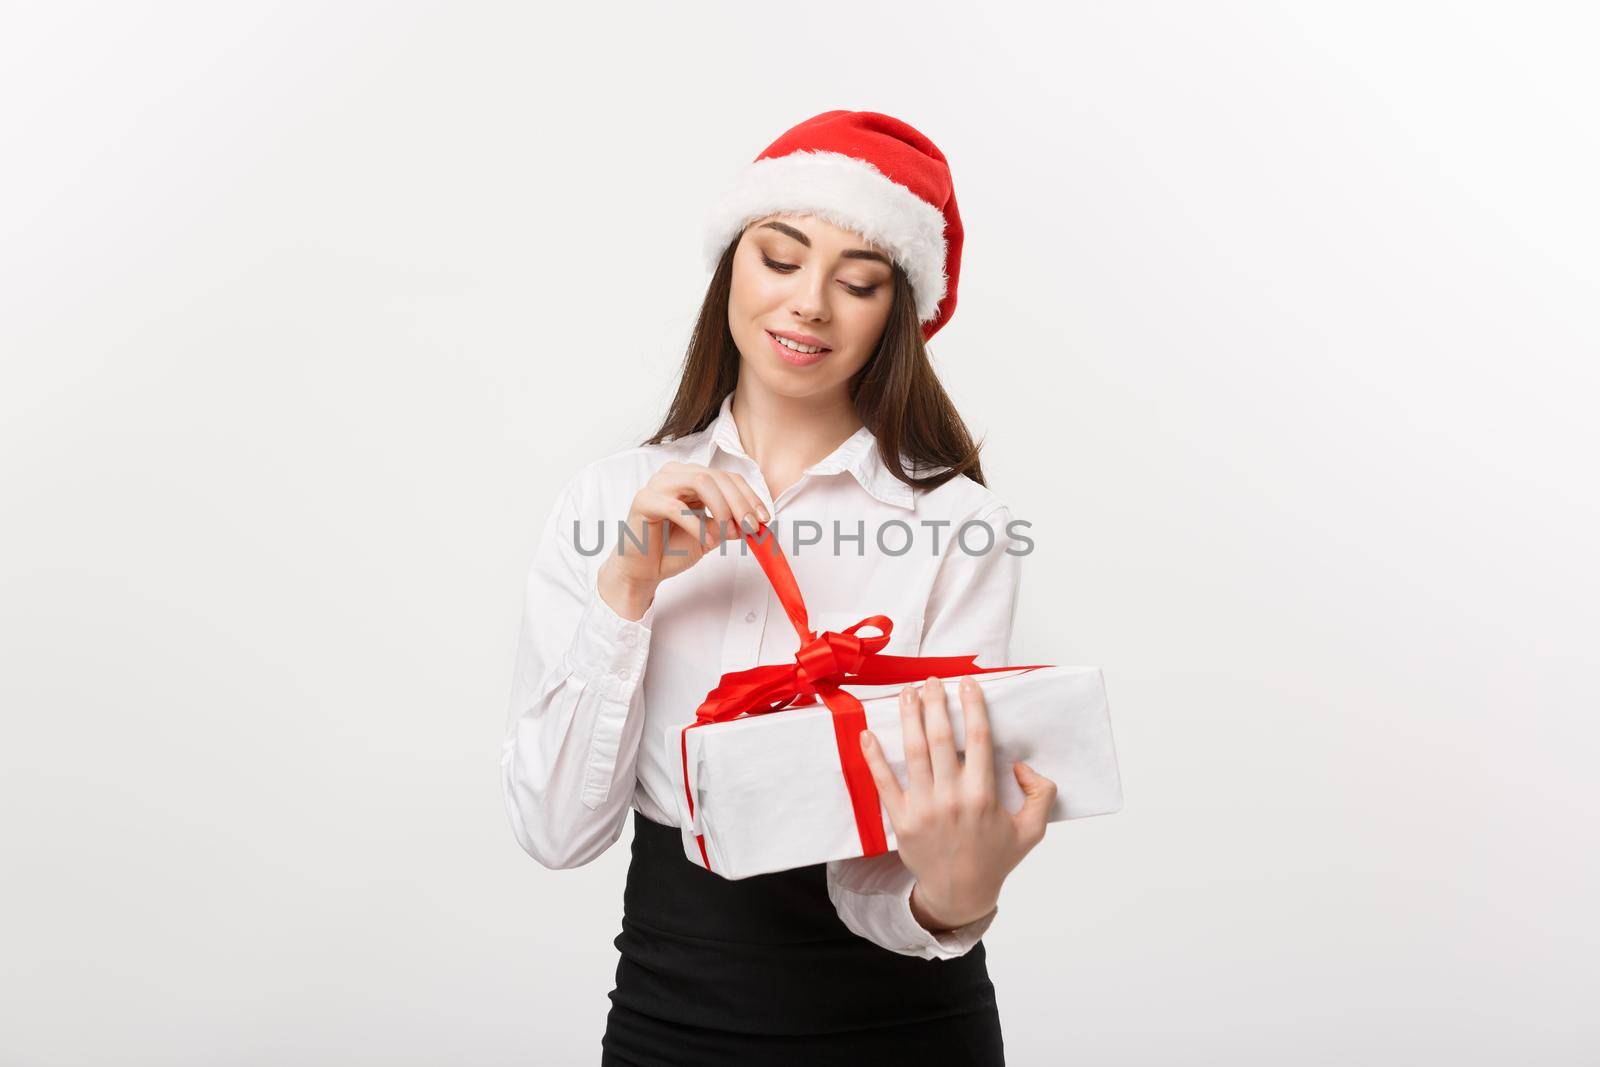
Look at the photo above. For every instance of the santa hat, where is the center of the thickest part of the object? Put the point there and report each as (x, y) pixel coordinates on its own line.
(865, 172)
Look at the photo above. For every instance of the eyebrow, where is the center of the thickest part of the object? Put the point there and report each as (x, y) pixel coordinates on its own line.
(851, 253)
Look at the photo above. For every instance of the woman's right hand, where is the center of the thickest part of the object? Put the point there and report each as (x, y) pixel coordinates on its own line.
(682, 512)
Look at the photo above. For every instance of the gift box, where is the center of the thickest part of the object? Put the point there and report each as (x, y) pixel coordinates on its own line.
(767, 791)
(764, 792)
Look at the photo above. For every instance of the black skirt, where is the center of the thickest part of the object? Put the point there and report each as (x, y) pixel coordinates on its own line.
(762, 970)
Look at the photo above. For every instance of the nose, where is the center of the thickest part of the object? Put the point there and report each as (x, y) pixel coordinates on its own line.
(810, 299)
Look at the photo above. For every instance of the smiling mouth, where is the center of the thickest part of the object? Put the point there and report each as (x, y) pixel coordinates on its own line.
(794, 355)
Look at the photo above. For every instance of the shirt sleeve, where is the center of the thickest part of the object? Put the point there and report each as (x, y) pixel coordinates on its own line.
(972, 608)
(570, 752)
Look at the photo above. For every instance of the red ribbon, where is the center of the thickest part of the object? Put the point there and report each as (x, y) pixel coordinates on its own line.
(823, 662)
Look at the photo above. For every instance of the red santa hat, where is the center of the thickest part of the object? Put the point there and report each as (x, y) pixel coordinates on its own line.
(865, 172)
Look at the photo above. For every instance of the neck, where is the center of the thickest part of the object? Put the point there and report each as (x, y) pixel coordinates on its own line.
(785, 434)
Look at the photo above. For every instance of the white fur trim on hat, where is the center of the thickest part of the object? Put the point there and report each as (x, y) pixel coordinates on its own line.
(847, 192)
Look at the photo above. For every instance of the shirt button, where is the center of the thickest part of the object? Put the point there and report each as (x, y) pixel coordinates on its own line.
(749, 616)
(622, 672)
(629, 637)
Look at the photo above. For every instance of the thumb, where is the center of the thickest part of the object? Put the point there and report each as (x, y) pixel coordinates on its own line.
(1039, 793)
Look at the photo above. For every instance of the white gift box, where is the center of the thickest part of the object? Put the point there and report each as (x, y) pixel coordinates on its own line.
(769, 794)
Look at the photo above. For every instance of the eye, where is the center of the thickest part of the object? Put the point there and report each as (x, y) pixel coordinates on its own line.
(863, 291)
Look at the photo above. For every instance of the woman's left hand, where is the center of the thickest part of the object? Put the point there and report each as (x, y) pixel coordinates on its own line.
(949, 827)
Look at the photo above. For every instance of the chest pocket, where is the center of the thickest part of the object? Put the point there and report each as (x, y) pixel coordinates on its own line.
(904, 640)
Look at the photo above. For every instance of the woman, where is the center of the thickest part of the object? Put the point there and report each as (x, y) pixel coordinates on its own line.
(807, 402)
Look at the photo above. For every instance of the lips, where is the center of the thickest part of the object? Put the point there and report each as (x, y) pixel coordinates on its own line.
(789, 355)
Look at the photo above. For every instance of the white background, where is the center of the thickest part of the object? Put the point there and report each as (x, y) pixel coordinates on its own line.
(1280, 321)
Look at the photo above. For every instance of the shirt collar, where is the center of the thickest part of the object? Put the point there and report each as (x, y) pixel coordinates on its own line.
(858, 455)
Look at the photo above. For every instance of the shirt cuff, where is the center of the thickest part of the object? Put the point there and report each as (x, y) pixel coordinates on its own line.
(945, 945)
(610, 651)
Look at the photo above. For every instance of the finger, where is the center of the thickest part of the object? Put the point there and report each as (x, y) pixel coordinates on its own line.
(1039, 794)
(691, 486)
(941, 740)
(753, 506)
(979, 767)
(723, 521)
(666, 508)
(762, 510)
(676, 480)
(659, 507)
(738, 506)
(883, 777)
(919, 773)
(665, 499)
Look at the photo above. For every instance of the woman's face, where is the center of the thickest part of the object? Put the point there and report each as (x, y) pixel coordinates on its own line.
(822, 286)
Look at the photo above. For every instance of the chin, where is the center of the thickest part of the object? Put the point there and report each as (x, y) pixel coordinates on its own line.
(778, 377)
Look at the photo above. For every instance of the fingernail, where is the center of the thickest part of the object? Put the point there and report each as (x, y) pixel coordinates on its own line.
(866, 739)
(968, 683)
(749, 523)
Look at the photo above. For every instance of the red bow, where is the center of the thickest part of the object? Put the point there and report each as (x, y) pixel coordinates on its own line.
(823, 662)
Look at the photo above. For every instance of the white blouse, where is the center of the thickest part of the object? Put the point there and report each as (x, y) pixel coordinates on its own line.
(593, 693)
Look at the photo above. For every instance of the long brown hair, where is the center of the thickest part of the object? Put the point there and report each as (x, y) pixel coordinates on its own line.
(896, 393)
